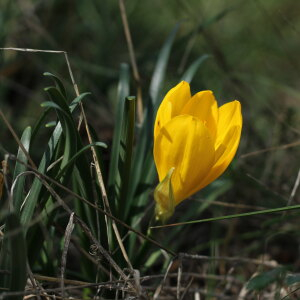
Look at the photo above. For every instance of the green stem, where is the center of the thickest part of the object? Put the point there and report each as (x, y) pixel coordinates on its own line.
(252, 213)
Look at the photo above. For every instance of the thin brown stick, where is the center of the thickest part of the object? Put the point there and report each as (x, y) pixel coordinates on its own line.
(179, 275)
(160, 287)
(293, 193)
(68, 234)
(295, 187)
(71, 74)
(33, 281)
(12, 131)
(32, 50)
(103, 190)
(89, 256)
(187, 288)
(229, 259)
(132, 61)
(142, 279)
(234, 205)
(280, 147)
(4, 164)
(97, 166)
(116, 284)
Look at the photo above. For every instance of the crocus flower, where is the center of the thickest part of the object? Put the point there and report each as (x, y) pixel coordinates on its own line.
(194, 142)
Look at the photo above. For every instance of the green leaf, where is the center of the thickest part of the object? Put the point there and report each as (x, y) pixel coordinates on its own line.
(191, 71)
(262, 280)
(80, 152)
(160, 67)
(34, 193)
(123, 91)
(58, 83)
(35, 190)
(51, 124)
(38, 124)
(292, 279)
(13, 256)
(81, 187)
(50, 104)
(68, 125)
(126, 150)
(143, 150)
(78, 100)
(18, 192)
(57, 97)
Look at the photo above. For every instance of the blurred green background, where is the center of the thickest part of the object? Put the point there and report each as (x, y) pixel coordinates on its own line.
(254, 48)
(254, 57)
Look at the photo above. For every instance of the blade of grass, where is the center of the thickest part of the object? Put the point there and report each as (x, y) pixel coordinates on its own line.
(80, 152)
(145, 136)
(114, 176)
(18, 193)
(136, 74)
(13, 256)
(248, 214)
(160, 67)
(127, 137)
(68, 124)
(191, 71)
(38, 124)
(34, 193)
(58, 83)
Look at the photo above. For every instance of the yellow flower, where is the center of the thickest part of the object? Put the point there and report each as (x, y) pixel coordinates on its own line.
(194, 142)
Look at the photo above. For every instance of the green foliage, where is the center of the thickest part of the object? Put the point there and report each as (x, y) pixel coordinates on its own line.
(13, 257)
(292, 279)
(20, 167)
(264, 279)
(245, 51)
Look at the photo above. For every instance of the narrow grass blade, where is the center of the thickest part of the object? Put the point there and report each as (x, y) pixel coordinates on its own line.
(38, 124)
(57, 97)
(68, 124)
(123, 91)
(57, 82)
(264, 279)
(35, 190)
(18, 193)
(126, 150)
(144, 147)
(51, 124)
(248, 214)
(78, 100)
(80, 152)
(160, 68)
(13, 257)
(50, 104)
(34, 193)
(191, 71)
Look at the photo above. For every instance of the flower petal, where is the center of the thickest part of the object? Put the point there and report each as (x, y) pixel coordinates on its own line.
(228, 139)
(203, 105)
(229, 116)
(185, 144)
(172, 105)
